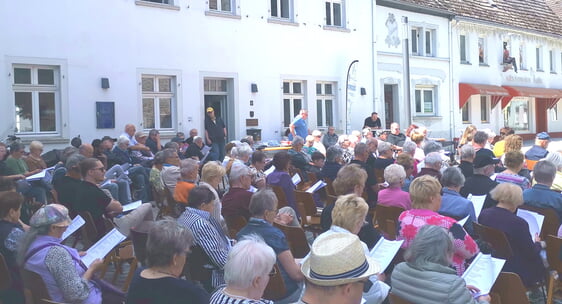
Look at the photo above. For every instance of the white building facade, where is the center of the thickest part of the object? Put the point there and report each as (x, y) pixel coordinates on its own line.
(90, 67)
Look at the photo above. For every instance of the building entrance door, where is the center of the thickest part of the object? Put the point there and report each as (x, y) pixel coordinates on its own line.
(389, 104)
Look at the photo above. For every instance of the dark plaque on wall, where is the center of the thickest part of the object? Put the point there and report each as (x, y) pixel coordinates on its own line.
(105, 114)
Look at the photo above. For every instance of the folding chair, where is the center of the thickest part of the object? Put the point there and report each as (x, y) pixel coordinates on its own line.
(496, 239)
(5, 277)
(510, 289)
(387, 219)
(235, 224)
(551, 222)
(275, 289)
(34, 288)
(139, 239)
(310, 217)
(296, 239)
(281, 197)
(553, 248)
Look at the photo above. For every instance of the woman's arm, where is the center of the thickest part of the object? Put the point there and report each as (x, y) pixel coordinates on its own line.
(288, 261)
(465, 246)
(62, 268)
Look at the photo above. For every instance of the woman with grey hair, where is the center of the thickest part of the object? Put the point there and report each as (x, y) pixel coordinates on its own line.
(166, 249)
(426, 277)
(247, 271)
(334, 158)
(556, 159)
(263, 211)
(452, 203)
(395, 175)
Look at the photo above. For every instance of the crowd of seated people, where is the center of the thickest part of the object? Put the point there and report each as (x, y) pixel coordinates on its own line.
(101, 177)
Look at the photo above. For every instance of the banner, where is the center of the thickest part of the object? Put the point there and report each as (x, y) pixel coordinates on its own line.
(350, 93)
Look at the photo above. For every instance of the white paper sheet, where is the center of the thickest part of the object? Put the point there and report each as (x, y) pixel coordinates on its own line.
(37, 176)
(296, 179)
(478, 202)
(483, 272)
(100, 249)
(253, 189)
(106, 182)
(76, 223)
(384, 251)
(269, 171)
(318, 185)
(534, 220)
(463, 221)
(132, 206)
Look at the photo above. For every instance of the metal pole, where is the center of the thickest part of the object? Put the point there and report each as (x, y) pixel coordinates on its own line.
(406, 72)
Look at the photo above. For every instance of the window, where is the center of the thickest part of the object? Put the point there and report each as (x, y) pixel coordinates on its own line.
(522, 57)
(484, 109)
(293, 97)
(552, 61)
(463, 49)
(539, 58)
(281, 9)
(36, 92)
(425, 97)
(221, 5)
(516, 114)
(554, 113)
(481, 51)
(160, 1)
(325, 97)
(465, 113)
(158, 101)
(334, 13)
(422, 41)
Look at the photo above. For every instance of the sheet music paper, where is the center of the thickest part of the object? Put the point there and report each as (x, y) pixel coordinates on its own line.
(534, 220)
(483, 272)
(106, 182)
(478, 202)
(131, 206)
(76, 223)
(100, 249)
(384, 251)
(319, 184)
(205, 150)
(463, 221)
(37, 176)
(296, 179)
(269, 171)
(253, 189)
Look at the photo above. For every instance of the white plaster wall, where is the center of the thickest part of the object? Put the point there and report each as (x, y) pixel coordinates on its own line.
(118, 38)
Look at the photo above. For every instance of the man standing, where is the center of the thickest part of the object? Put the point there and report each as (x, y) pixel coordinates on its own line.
(299, 127)
(372, 122)
(215, 134)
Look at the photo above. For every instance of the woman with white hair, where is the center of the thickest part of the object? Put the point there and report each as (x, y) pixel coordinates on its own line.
(167, 246)
(34, 160)
(247, 271)
(426, 277)
(395, 175)
(452, 203)
(556, 159)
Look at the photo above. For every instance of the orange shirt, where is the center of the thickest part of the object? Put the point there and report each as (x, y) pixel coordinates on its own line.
(181, 194)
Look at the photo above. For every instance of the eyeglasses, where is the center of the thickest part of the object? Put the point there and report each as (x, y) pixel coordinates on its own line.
(60, 227)
(102, 169)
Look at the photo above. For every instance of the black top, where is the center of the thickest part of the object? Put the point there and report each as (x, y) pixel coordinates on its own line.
(480, 185)
(92, 199)
(467, 168)
(330, 170)
(372, 123)
(165, 290)
(193, 150)
(152, 145)
(382, 163)
(215, 129)
(486, 152)
(397, 140)
(67, 191)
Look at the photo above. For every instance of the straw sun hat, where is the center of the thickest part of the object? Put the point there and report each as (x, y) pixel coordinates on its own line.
(338, 259)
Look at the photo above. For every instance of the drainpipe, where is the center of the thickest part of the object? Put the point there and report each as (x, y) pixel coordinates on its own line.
(451, 83)
(373, 56)
(406, 72)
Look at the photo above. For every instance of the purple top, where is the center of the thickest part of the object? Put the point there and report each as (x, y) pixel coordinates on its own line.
(395, 197)
(283, 180)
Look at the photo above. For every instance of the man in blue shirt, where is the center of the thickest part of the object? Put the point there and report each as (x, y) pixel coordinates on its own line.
(299, 126)
(540, 195)
(538, 151)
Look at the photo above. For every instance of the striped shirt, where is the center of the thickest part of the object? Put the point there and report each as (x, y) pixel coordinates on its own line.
(220, 297)
(209, 235)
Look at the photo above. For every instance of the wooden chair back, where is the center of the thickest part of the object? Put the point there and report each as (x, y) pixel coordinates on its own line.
(496, 239)
(510, 289)
(34, 285)
(139, 239)
(553, 248)
(379, 175)
(275, 289)
(551, 222)
(387, 219)
(312, 178)
(198, 266)
(160, 200)
(330, 186)
(281, 197)
(235, 224)
(296, 240)
(171, 204)
(395, 299)
(89, 231)
(5, 277)
(308, 203)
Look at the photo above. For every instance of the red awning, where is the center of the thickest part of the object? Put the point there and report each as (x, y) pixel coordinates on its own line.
(468, 89)
(551, 96)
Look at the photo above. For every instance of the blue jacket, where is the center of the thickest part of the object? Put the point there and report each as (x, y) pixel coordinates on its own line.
(452, 203)
(543, 197)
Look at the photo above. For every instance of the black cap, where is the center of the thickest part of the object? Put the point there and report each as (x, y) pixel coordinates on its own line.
(481, 161)
(108, 137)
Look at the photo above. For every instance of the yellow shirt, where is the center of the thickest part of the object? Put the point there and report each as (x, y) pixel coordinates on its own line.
(499, 148)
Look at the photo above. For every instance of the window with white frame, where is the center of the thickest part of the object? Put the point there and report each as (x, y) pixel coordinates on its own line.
(553, 113)
(425, 100)
(171, 2)
(325, 102)
(552, 61)
(222, 5)
(482, 50)
(465, 113)
(293, 99)
(463, 48)
(158, 102)
(522, 57)
(484, 109)
(538, 56)
(335, 12)
(282, 9)
(422, 41)
(36, 90)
